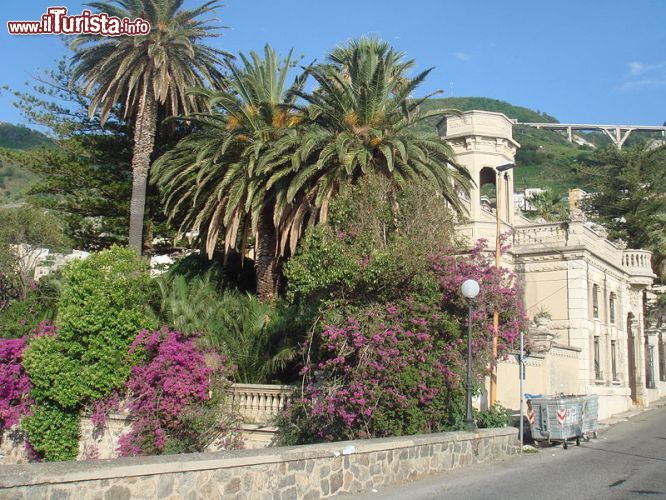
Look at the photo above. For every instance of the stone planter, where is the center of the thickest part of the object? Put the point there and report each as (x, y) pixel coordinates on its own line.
(540, 337)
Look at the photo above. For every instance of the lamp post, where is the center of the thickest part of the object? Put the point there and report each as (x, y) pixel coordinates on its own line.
(469, 289)
(493, 374)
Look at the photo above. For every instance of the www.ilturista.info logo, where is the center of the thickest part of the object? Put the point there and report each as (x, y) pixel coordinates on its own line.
(56, 21)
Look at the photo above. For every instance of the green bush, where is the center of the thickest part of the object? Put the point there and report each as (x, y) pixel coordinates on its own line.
(495, 416)
(324, 261)
(102, 306)
(21, 316)
(374, 248)
(55, 374)
(53, 432)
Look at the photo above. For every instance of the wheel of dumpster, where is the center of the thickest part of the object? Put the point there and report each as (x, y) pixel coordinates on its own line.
(586, 437)
(577, 441)
(565, 445)
(594, 434)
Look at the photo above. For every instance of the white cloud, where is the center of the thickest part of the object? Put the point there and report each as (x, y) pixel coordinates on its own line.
(638, 68)
(643, 83)
(642, 75)
(461, 56)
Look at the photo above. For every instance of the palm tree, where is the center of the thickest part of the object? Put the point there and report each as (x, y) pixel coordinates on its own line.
(146, 74)
(258, 338)
(548, 205)
(220, 172)
(251, 335)
(363, 118)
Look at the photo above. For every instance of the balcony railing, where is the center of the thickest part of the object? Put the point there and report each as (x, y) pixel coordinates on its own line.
(638, 260)
(540, 234)
(259, 404)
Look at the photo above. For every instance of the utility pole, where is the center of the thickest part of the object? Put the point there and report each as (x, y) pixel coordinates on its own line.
(498, 207)
(493, 359)
(521, 374)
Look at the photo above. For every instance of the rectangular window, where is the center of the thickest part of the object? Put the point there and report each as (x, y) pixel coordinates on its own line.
(595, 302)
(613, 360)
(649, 368)
(662, 359)
(611, 308)
(597, 363)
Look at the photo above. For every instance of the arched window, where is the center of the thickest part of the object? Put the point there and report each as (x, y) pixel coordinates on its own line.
(488, 188)
(595, 301)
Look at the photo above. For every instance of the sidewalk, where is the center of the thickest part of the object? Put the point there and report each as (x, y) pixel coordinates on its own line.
(626, 462)
(605, 424)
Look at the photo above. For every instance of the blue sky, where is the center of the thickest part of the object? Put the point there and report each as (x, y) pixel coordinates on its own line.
(580, 61)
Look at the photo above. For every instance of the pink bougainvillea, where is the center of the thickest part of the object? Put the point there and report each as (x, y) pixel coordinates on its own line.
(15, 384)
(498, 291)
(166, 387)
(399, 368)
(386, 371)
(44, 329)
(101, 408)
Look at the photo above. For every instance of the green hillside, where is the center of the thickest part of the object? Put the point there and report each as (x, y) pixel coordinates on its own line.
(19, 137)
(545, 157)
(16, 179)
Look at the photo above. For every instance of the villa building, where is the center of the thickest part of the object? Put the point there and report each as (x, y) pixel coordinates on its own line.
(586, 295)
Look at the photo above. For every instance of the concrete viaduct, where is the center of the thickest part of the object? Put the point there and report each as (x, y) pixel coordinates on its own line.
(617, 133)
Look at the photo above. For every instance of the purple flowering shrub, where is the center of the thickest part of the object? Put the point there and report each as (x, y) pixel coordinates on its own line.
(171, 395)
(15, 386)
(399, 368)
(101, 408)
(388, 371)
(498, 291)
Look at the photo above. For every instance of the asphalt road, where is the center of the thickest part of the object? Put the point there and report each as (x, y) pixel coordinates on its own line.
(627, 461)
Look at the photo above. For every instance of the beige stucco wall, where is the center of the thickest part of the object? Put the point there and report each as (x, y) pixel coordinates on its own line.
(546, 289)
(546, 374)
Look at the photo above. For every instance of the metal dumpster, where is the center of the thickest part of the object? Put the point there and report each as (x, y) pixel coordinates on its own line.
(590, 415)
(562, 418)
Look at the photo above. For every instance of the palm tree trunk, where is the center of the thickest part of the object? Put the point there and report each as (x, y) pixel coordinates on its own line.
(144, 141)
(266, 261)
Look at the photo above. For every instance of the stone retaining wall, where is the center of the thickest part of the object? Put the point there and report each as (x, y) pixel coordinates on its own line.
(310, 472)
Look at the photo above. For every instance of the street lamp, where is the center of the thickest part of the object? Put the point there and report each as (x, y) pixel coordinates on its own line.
(469, 289)
(493, 375)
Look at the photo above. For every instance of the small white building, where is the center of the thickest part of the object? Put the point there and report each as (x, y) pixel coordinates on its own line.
(48, 262)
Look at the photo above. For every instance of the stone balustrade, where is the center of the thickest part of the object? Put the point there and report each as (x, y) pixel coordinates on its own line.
(542, 234)
(257, 404)
(639, 266)
(574, 235)
(260, 404)
(637, 260)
